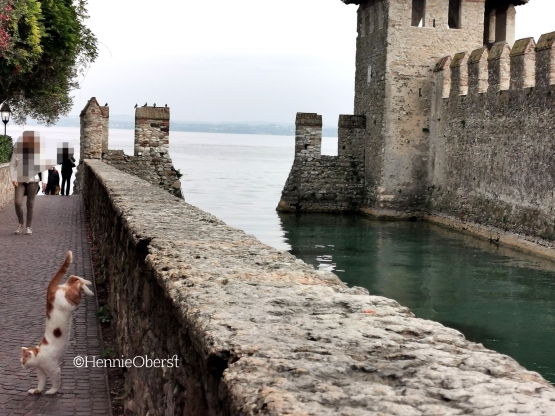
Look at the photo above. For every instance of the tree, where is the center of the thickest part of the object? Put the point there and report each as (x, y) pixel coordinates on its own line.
(46, 47)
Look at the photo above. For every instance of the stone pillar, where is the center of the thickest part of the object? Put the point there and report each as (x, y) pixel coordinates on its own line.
(442, 78)
(492, 25)
(105, 127)
(498, 67)
(511, 25)
(459, 74)
(478, 71)
(523, 64)
(90, 139)
(308, 135)
(545, 60)
(91, 131)
(351, 134)
(152, 132)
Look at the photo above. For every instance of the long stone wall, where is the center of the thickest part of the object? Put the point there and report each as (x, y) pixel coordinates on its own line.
(259, 332)
(493, 145)
(320, 183)
(6, 187)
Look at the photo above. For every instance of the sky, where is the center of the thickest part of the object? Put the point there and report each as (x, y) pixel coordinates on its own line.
(238, 60)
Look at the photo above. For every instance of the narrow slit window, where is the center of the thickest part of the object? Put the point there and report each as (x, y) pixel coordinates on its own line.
(455, 14)
(369, 74)
(418, 13)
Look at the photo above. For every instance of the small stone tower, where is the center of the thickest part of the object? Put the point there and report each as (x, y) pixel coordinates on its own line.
(398, 44)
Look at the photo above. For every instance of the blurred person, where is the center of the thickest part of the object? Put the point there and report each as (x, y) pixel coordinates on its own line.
(52, 185)
(26, 162)
(68, 164)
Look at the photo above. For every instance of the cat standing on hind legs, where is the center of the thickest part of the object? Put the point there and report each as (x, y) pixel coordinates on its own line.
(61, 301)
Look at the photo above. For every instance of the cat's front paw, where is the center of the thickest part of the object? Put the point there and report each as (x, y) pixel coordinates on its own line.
(51, 391)
(33, 391)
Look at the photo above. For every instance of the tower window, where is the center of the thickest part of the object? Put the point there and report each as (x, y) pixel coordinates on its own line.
(418, 13)
(369, 79)
(454, 14)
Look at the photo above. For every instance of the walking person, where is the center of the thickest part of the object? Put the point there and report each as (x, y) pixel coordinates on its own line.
(24, 166)
(53, 181)
(67, 170)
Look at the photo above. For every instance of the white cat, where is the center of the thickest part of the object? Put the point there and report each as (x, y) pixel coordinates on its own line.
(61, 301)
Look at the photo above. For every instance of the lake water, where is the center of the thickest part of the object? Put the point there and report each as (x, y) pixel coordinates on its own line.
(496, 296)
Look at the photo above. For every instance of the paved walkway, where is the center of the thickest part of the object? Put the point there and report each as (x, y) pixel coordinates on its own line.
(27, 263)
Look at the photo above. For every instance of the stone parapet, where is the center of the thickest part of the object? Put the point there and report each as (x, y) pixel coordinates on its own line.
(257, 331)
(6, 187)
(491, 153)
(326, 183)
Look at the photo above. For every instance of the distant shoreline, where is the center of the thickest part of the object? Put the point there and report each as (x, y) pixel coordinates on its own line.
(260, 128)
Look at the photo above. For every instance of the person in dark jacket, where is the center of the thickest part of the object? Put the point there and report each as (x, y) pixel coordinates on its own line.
(67, 170)
(52, 182)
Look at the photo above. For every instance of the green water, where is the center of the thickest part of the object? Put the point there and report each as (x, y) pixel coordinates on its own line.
(498, 297)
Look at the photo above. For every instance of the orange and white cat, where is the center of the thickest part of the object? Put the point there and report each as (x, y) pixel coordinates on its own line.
(61, 301)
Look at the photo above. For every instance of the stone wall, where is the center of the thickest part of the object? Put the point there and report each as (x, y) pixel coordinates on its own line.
(494, 145)
(151, 160)
(160, 174)
(326, 183)
(393, 89)
(6, 187)
(259, 332)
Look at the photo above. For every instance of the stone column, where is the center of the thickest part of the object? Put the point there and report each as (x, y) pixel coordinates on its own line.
(152, 132)
(351, 135)
(90, 139)
(511, 25)
(308, 135)
(105, 127)
(492, 25)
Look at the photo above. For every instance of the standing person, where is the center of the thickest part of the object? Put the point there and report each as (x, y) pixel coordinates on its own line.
(52, 182)
(25, 163)
(67, 170)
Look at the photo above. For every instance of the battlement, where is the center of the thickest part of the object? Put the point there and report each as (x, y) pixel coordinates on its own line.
(152, 113)
(326, 183)
(308, 135)
(500, 68)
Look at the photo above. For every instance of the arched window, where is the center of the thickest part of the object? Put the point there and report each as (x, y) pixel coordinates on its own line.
(419, 13)
(454, 14)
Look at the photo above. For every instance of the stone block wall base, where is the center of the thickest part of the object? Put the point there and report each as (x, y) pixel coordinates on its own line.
(389, 214)
(527, 244)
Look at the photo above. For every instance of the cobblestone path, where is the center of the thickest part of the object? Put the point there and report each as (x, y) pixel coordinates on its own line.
(27, 263)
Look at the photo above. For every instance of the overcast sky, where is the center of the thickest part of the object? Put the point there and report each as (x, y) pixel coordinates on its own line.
(236, 60)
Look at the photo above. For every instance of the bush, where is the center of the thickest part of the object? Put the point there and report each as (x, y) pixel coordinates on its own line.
(6, 148)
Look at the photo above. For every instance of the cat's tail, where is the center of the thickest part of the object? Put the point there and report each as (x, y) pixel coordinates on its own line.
(51, 291)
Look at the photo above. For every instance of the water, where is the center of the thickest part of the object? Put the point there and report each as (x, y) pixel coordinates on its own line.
(496, 296)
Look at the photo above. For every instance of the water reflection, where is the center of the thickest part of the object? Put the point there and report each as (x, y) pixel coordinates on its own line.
(496, 296)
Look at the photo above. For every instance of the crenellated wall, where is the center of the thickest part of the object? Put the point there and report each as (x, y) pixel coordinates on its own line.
(258, 332)
(493, 137)
(151, 160)
(322, 183)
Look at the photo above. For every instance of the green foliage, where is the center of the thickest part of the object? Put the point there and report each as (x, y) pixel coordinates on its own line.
(104, 315)
(6, 148)
(50, 47)
(108, 353)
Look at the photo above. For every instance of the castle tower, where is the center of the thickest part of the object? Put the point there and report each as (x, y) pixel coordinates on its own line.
(398, 44)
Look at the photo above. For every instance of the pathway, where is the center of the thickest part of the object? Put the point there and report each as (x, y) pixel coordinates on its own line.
(27, 263)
